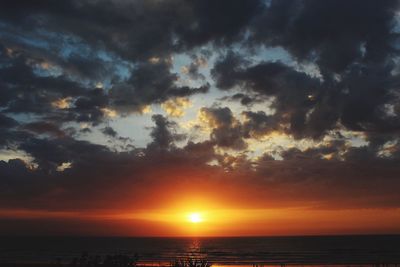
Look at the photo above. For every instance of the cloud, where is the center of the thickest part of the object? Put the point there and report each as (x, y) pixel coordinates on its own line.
(149, 83)
(164, 133)
(176, 107)
(42, 127)
(226, 131)
(257, 124)
(310, 107)
(304, 181)
(62, 103)
(109, 131)
(140, 29)
(333, 34)
(192, 70)
(289, 88)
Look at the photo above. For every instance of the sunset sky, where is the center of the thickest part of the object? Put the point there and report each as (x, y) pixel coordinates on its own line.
(199, 117)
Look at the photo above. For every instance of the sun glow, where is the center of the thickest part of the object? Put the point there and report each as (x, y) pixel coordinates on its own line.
(195, 217)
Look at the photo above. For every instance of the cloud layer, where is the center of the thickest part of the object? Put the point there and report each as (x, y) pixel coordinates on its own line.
(289, 103)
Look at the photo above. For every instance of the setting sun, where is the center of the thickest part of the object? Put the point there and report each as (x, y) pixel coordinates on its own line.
(195, 217)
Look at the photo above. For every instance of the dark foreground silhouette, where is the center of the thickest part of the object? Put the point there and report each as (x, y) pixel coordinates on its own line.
(123, 260)
(117, 260)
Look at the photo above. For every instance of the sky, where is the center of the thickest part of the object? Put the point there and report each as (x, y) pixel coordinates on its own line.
(257, 117)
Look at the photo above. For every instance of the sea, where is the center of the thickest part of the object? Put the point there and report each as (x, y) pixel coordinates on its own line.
(383, 250)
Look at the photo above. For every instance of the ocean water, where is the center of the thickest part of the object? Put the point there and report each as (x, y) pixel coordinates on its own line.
(311, 250)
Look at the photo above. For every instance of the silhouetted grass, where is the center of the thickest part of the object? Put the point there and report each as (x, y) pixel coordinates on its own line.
(191, 263)
(123, 260)
(116, 260)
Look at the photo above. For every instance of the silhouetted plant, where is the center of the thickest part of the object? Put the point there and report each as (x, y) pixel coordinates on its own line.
(191, 263)
(117, 260)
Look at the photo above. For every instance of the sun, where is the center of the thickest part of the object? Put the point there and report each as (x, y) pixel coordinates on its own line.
(195, 217)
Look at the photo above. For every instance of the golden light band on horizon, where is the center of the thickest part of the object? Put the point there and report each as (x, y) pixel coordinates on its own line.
(230, 221)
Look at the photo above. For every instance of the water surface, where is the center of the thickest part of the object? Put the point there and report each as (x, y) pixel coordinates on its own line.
(328, 250)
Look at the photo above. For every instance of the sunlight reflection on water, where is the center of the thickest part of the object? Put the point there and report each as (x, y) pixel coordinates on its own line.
(267, 251)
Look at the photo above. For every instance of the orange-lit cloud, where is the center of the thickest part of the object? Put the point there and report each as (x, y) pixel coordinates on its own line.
(62, 103)
(176, 107)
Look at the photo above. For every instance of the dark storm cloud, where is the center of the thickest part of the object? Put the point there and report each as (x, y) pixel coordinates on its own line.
(129, 31)
(258, 124)
(352, 44)
(138, 29)
(107, 179)
(219, 20)
(359, 99)
(330, 184)
(109, 131)
(23, 91)
(149, 83)
(192, 70)
(164, 133)
(7, 125)
(226, 131)
(336, 34)
(20, 183)
(88, 107)
(354, 40)
(329, 150)
(96, 176)
(42, 127)
(18, 69)
(365, 92)
(7, 122)
(295, 92)
(244, 99)
(50, 153)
